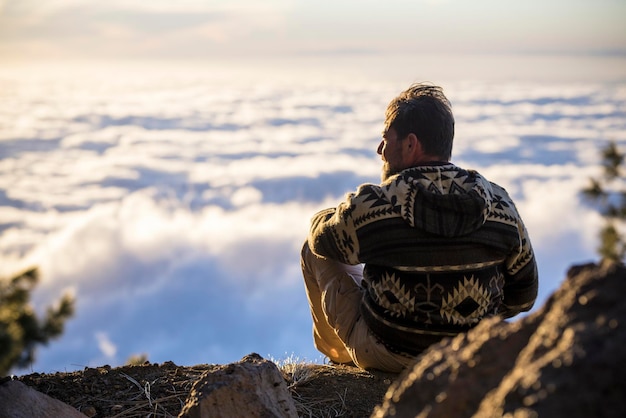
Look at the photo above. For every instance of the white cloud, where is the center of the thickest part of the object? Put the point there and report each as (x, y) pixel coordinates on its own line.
(246, 196)
(552, 209)
(106, 346)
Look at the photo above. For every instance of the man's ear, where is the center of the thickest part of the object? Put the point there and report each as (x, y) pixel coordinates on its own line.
(414, 146)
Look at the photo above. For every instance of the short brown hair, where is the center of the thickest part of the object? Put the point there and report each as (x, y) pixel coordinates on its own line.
(424, 110)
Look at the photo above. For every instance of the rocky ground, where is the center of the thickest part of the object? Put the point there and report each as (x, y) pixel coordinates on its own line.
(160, 390)
(566, 359)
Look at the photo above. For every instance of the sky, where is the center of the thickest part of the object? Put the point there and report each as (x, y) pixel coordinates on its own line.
(173, 199)
(223, 29)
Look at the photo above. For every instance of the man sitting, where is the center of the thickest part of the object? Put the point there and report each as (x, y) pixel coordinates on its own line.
(425, 255)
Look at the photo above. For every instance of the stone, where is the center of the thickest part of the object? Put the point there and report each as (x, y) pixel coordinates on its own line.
(20, 401)
(252, 387)
(565, 360)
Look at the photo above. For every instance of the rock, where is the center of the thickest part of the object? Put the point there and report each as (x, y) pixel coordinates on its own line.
(252, 387)
(89, 410)
(20, 401)
(565, 360)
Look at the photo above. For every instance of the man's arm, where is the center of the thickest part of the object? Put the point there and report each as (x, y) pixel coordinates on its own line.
(520, 291)
(332, 234)
(521, 279)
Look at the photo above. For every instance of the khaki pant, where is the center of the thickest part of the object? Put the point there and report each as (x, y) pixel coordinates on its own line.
(339, 332)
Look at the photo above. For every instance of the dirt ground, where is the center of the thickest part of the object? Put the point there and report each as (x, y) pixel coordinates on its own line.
(160, 390)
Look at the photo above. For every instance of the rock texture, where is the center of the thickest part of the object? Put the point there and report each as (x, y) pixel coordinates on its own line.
(20, 401)
(253, 387)
(568, 359)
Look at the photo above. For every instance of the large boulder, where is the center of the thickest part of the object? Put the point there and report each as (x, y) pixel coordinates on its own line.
(568, 359)
(253, 387)
(20, 401)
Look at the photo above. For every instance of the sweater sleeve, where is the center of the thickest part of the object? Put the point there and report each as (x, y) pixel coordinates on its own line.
(332, 234)
(521, 279)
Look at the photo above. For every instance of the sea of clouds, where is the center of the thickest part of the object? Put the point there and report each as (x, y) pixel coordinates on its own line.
(173, 202)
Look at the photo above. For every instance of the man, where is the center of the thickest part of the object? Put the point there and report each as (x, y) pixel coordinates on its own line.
(442, 248)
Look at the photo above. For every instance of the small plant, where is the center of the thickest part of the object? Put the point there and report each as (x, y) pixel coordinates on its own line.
(295, 370)
(137, 359)
(298, 373)
(20, 329)
(608, 192)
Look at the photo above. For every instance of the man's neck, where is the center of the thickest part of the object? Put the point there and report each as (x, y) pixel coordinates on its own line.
(433, 162)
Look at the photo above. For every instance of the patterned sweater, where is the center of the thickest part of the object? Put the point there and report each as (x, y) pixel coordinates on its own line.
(442, 247)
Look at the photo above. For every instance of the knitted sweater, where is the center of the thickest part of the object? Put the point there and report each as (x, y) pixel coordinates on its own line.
(442, 247)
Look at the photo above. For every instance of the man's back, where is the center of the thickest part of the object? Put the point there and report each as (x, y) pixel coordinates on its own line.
(443, 248)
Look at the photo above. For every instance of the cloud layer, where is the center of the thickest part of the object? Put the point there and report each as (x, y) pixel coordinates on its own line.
(174, 203)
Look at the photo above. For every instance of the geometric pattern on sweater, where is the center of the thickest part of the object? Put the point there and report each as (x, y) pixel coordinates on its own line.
(399, 198)
(467, 304)
(437, 181)
(464, 303)
(394, 296)
(452, 181)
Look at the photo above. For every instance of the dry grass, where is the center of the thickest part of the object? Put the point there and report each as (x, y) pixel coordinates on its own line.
(321, 408)
(298, 373)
